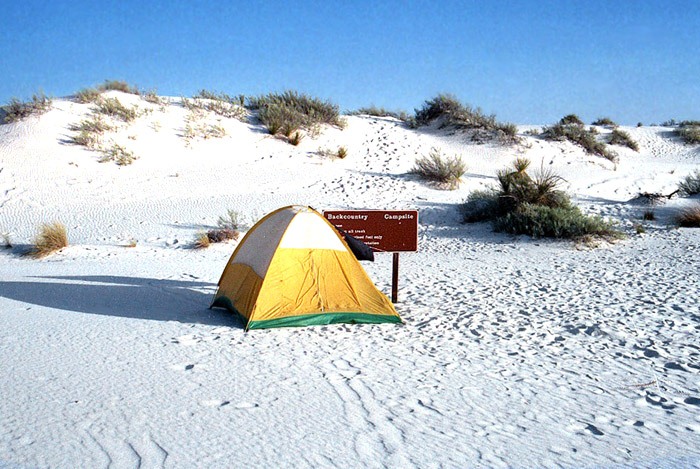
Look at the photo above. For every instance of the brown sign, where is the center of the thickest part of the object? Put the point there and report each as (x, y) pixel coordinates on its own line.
(382, 230)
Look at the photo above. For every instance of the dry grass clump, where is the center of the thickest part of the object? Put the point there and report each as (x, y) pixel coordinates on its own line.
(604, 122)
(232, 107)
(533, 206)
(285, 113)
(229, 229)
(689, 217)
(114, 108)
(446, 172)
(87, 95)
(118, 154)
(201, 130)
(690, 185)
(689, 132)
(375, 111)
(450, 112)
(622, 138)
(51, 238)
(568, 129)
(16, 110)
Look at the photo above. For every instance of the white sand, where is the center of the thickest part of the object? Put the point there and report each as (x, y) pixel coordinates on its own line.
(515, 352)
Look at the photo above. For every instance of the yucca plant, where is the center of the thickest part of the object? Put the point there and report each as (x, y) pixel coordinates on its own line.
(51, 238)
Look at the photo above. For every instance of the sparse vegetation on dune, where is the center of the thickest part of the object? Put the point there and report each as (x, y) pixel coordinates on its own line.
(232, 107)
(51, 238)
(689, 217)
(375, 111)
(16, 110)
(689, 132)
(229, 229)
(533, 206)
(114, 108)
(445, 171)
(568, 129)
(622, 138)
(605, 122)
(118, 85)
(87, 95)
(117, 154)
(450, 112)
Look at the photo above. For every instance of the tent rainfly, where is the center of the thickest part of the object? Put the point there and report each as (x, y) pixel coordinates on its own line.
(293, 268)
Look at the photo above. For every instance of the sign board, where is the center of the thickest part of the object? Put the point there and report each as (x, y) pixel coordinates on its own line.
(382, 230)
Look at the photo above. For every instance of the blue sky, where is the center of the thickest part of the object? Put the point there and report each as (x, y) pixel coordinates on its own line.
(525, 61)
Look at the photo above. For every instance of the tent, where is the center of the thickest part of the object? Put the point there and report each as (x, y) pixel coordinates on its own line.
(293, 268)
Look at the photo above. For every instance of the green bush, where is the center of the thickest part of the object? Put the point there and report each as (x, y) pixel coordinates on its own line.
(579, 135)
(533, 206)
(622, 138)
(453, 113)
(571, 119)
(604, 121)
(87, 95)
(690, 185)
(689, 133)
(16, 110)
(540, 221)
(436, 168)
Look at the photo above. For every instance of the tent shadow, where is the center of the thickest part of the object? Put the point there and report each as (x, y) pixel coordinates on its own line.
(125, 297)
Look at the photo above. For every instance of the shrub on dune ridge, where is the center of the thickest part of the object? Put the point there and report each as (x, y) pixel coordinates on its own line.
(533, 206)
(375, 111)
(451, 112)
(16, 110)
(604, 121)
(118, 85)
(87, 95)
(442, 170)
(51, 238)
(290, 111)
(622, 138)
(114, 108)
(689, 132)
(571, 119)
(579, 135)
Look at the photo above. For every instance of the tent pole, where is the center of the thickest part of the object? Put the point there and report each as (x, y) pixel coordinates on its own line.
(395, 279)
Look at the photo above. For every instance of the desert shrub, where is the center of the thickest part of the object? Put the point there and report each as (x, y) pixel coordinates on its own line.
(604, 121)
(118, 85)
(640, 124)
(649, 214)
(342, 153)
(449, 111)
(87, 95)
(690, 185)
(689, 217)
(437, 168)
(96, 124)
(379, 112)
(16, 110)
(521, 204)
(571, 119)
(289, 111)
(218, 103)
(118, 154)
(229, 221)
(114, 108)
(579, 135)
(202, 241)
(622, 138)
(151, 96)
(87, 139)
(540, 221)
(51, 238)
(689, 132)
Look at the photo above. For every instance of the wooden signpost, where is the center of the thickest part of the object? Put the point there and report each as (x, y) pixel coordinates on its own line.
(392, 231)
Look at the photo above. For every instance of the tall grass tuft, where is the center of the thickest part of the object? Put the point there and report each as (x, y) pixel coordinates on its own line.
(118, 85)
(114, 108)
(290, 111)
(51, 238)
(689, 217)
(16, 110)
(87, 95)
(435, 167)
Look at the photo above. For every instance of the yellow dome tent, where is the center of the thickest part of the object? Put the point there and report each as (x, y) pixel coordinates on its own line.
(293, 268)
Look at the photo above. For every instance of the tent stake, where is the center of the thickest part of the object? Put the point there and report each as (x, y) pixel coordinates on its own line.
(395, 279)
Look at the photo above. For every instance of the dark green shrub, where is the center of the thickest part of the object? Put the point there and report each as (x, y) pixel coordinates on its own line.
(87, 95)
(118, 85)
(540, 221)
(604, 121)
(16, 110)
(622, 138)
(689, 133)
(482, 206)
(436, 168)
(690, 185)
(571, 119)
